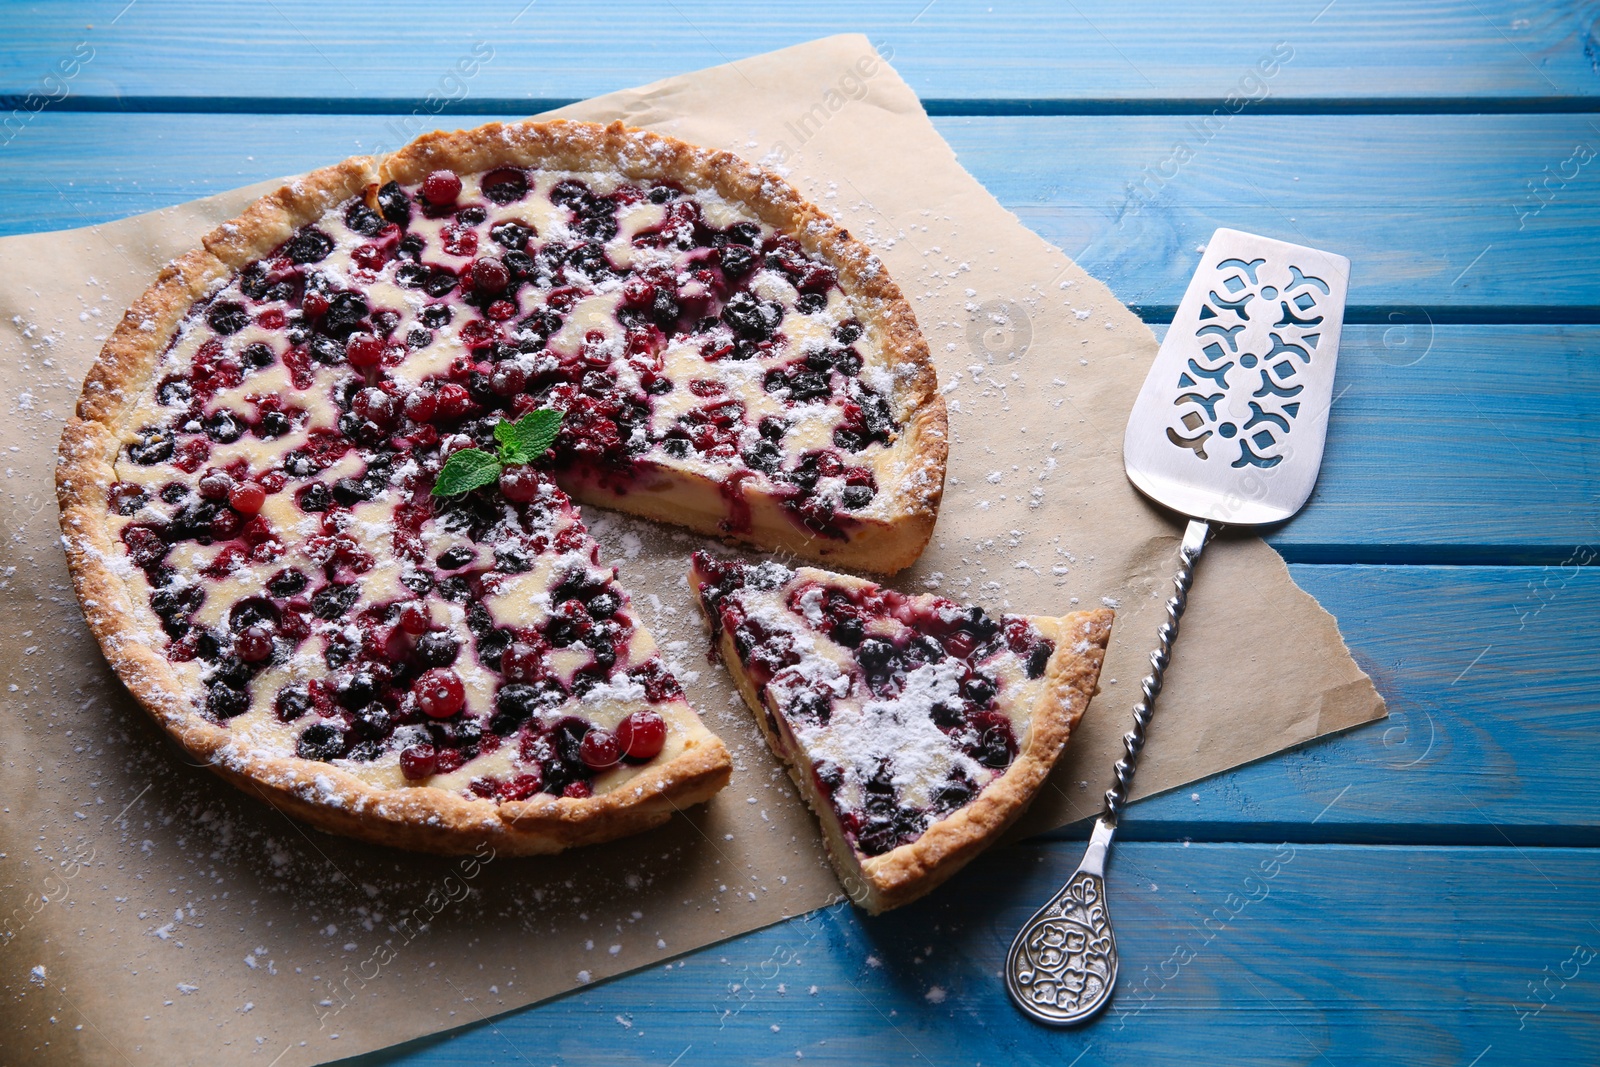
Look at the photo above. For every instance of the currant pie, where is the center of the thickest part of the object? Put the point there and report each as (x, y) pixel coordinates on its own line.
(248, 491)
(917, 729)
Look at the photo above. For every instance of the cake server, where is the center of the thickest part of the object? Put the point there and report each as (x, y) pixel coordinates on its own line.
(1228, 430)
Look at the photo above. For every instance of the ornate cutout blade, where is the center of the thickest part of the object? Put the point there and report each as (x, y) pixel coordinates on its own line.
(1230, 423)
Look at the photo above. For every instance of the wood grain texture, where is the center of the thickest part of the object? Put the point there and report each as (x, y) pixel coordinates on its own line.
(1457, 444)
(1474, 53)
(1237, 954)
(1435, 212)
(1432, 210)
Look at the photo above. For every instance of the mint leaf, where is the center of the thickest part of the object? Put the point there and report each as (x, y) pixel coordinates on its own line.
(533, 434)
(465, 471)
(505, 432)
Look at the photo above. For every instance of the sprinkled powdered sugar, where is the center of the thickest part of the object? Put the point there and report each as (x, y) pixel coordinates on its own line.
(899, 710)
(899, 730)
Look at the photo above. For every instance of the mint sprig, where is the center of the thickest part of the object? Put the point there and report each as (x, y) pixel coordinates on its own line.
(529, 437)
(522, 441)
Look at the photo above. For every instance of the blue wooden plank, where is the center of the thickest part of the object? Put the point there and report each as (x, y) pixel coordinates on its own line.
(943, 107)
(1239, 954)
(1438, 211)
(1490, 677)
(1477, 54)
(1435, 212)
(1457, 444)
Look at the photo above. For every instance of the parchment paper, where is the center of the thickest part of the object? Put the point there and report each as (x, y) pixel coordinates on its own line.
(151, 912)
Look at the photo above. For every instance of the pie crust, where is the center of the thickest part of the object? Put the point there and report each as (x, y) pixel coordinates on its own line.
(889, 536)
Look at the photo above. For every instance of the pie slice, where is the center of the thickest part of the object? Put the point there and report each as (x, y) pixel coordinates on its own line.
(247, 491)
(918, 730)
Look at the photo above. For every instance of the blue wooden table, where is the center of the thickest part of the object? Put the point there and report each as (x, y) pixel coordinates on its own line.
(1423, 890)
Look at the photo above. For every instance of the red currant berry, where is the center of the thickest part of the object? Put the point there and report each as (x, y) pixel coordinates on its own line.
(190, 455)
(375, 405)
(859, 476)
(247, 498)
(519, 482)
(440, 693)
(258, 531)
(254, 645)
(414, 619)
(225, 525)
(453, 401)
(420, 404)
(363, 350)
(460, 240)
(638, 293)
(578, 790)
(522, 662)
(370, 256)
(961, 643)
(314, 304)
(508, 378)
(441, 188)
(642, 734)
(214, 484)
(1019, 634)
(522, 786)
(490, 276)
(418, 761)
(599, 749)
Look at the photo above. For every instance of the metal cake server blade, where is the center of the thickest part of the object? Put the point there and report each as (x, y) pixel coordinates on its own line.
(1228, 430)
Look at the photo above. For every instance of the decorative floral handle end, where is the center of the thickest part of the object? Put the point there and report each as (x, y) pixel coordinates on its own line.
(1063, 964)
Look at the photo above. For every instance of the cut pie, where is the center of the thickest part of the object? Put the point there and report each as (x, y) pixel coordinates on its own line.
(247, 491)
(917, 729)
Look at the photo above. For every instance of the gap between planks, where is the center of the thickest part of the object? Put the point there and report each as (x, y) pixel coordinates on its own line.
(934, 106)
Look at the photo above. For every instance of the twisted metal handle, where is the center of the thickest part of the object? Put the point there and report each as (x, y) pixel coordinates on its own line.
(1062, 966)
(1194, 542)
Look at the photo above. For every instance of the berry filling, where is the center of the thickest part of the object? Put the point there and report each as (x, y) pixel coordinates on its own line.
(901, 707)
(358, 675)
(276, 489)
